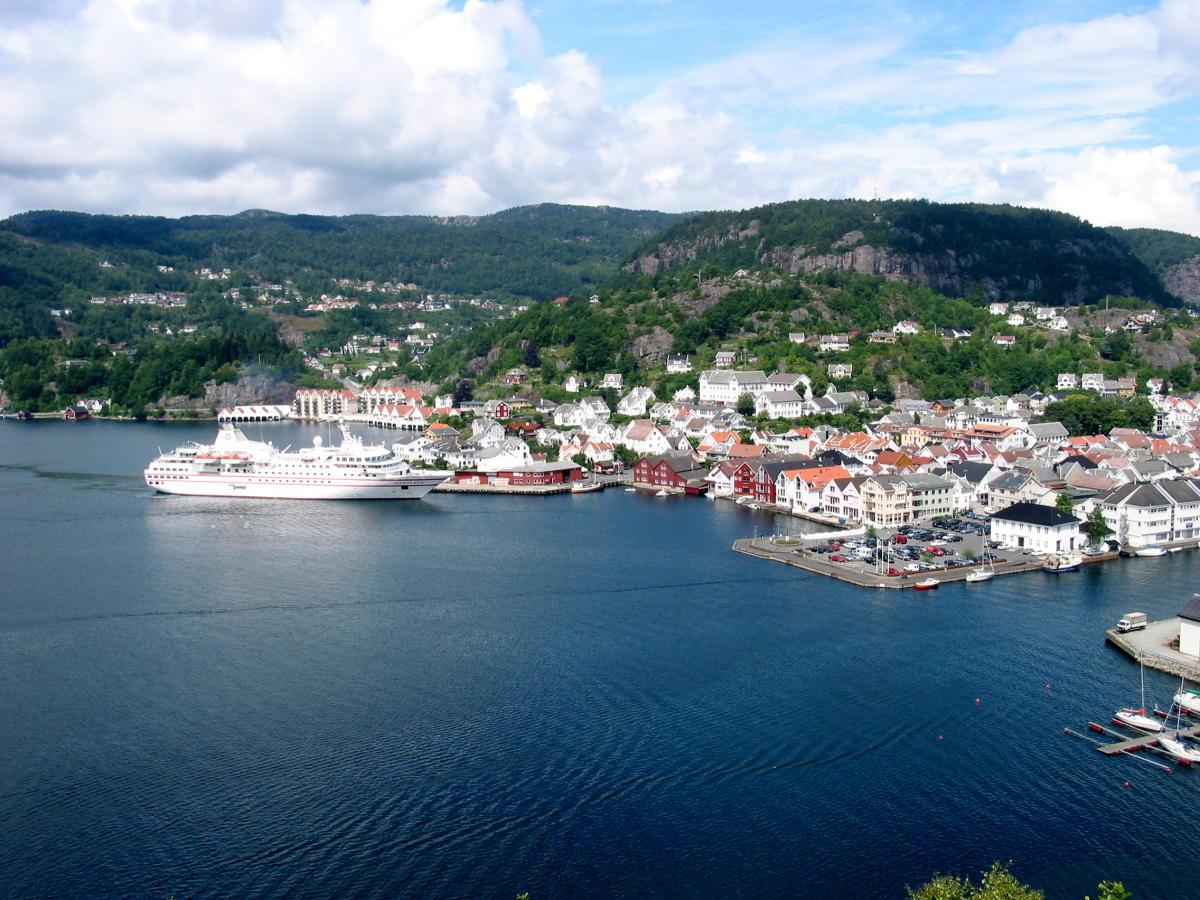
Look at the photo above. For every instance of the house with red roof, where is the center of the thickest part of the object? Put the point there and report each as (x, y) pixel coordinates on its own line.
(801, 489)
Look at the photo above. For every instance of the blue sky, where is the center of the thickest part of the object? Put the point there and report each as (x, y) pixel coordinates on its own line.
(470, 106)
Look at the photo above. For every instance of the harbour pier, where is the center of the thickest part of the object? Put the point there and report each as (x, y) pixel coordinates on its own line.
(1152, 646)
(792, 552)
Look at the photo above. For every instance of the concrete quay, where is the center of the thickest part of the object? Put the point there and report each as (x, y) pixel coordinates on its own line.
(1152, 647)
(540, 490)
(793, 553)
(535, 490)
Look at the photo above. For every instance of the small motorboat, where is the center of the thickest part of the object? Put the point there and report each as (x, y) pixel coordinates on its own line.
(1062, 563)
(928, 584)
(1152, 550)
(662, 493)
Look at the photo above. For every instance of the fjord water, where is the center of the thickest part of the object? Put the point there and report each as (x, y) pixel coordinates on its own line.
(574, 696)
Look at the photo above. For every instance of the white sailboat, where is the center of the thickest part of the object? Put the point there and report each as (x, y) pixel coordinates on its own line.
(1173, 742)
(1137, 717)
(985, 572)
(1188, 701)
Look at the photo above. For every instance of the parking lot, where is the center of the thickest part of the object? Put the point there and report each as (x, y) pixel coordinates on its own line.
(946, 544)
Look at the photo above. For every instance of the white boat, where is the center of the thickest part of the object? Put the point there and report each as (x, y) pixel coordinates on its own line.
(235, 466)
(1137, 718)
(1188, 701)
(1174, 742)
(985, 572)
(663, 492)
(1062, 562)
(1152, 550)
(586, 486)
(1180, 747)
(929, 584)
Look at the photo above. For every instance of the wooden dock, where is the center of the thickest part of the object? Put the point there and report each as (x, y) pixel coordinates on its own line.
(1141, 741)
(1124, 746)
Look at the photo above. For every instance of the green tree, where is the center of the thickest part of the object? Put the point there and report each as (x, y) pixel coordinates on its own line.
(1111, 890)
(1095, 527)
(997, 883)
(745, 405)
(1064, 504)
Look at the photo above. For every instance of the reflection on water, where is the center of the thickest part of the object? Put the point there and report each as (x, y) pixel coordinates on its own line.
(574, 696)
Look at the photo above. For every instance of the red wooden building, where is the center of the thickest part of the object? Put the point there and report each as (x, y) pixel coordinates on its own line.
(672, 472)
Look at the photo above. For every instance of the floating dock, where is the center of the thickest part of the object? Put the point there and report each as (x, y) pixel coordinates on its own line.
(1124, 746)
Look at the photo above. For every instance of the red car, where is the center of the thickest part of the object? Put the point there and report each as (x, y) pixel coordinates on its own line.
(837, 557)
(899, 539)
(936, 551)
(893, 571)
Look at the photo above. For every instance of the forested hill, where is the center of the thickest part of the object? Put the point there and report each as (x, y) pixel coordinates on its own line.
(534, 251)
(1173, 257)
(961, 250)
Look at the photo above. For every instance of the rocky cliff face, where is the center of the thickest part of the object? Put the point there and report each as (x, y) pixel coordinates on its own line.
(666, 256)
(651, 349)
(946, 272)
(1183, 280)
(248, 390)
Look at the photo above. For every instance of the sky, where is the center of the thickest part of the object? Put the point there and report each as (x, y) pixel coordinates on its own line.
(451, 107)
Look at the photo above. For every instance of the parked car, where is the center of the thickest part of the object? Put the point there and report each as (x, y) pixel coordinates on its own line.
(837, 557)
(900, 539)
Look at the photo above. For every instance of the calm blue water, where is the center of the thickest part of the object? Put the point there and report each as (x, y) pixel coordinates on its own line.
(584, 696)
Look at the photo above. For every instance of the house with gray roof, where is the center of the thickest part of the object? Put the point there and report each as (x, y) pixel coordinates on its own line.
(786, 404)
(1048, 432)
(1146, 513)
(1016, 486)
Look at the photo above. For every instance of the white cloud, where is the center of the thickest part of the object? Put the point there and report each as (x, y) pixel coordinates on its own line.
(1131, 187)
(397, 106)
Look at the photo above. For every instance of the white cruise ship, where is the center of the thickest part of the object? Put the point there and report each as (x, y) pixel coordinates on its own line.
(235, 466)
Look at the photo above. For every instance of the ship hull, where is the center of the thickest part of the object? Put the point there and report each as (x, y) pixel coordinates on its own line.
(278, 488)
